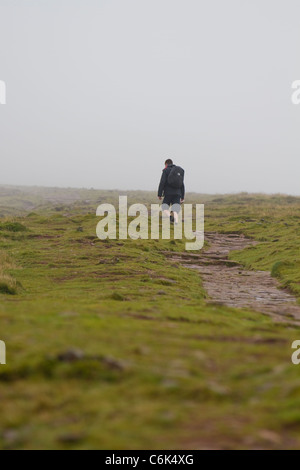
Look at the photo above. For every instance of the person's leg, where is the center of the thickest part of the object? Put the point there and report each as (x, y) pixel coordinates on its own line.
(166, 207)
(166, 210)
(176, 208)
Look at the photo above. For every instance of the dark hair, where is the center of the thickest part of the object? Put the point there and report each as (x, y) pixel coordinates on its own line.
(169, 162)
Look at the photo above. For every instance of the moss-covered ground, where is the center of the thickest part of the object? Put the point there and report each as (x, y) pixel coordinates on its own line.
(110, 345)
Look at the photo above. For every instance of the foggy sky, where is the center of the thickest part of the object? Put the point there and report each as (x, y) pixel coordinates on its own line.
(101, 92)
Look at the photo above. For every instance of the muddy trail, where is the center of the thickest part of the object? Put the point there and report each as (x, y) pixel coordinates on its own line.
(228, 283)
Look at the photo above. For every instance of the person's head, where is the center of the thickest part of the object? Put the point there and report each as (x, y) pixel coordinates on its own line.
(169, 162)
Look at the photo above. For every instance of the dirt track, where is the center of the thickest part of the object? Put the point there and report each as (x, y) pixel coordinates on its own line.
(227, 283)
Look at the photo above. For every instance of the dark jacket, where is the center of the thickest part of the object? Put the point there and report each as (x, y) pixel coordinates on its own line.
(165, 189)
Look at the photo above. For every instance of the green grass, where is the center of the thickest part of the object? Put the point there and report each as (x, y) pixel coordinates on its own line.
(155, 367)
(8, 285)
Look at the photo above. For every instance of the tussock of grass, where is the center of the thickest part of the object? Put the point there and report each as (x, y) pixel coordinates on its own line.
(117, 296)
(5, 261)
(8, 285)
(278, 267)
(12, 227)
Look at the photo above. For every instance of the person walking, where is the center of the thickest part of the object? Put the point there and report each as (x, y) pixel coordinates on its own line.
(171, 189)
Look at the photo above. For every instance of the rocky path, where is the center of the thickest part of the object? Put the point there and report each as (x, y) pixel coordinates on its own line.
(228, 283)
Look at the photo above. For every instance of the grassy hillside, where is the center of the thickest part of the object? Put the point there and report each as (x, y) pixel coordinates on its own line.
(110, 345)
(20, 200)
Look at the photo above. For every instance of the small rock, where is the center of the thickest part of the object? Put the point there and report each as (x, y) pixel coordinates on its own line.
(11, 436)
(270, 436)
(113, 364)
(142, 350)
(161, 292)
(71, 355)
